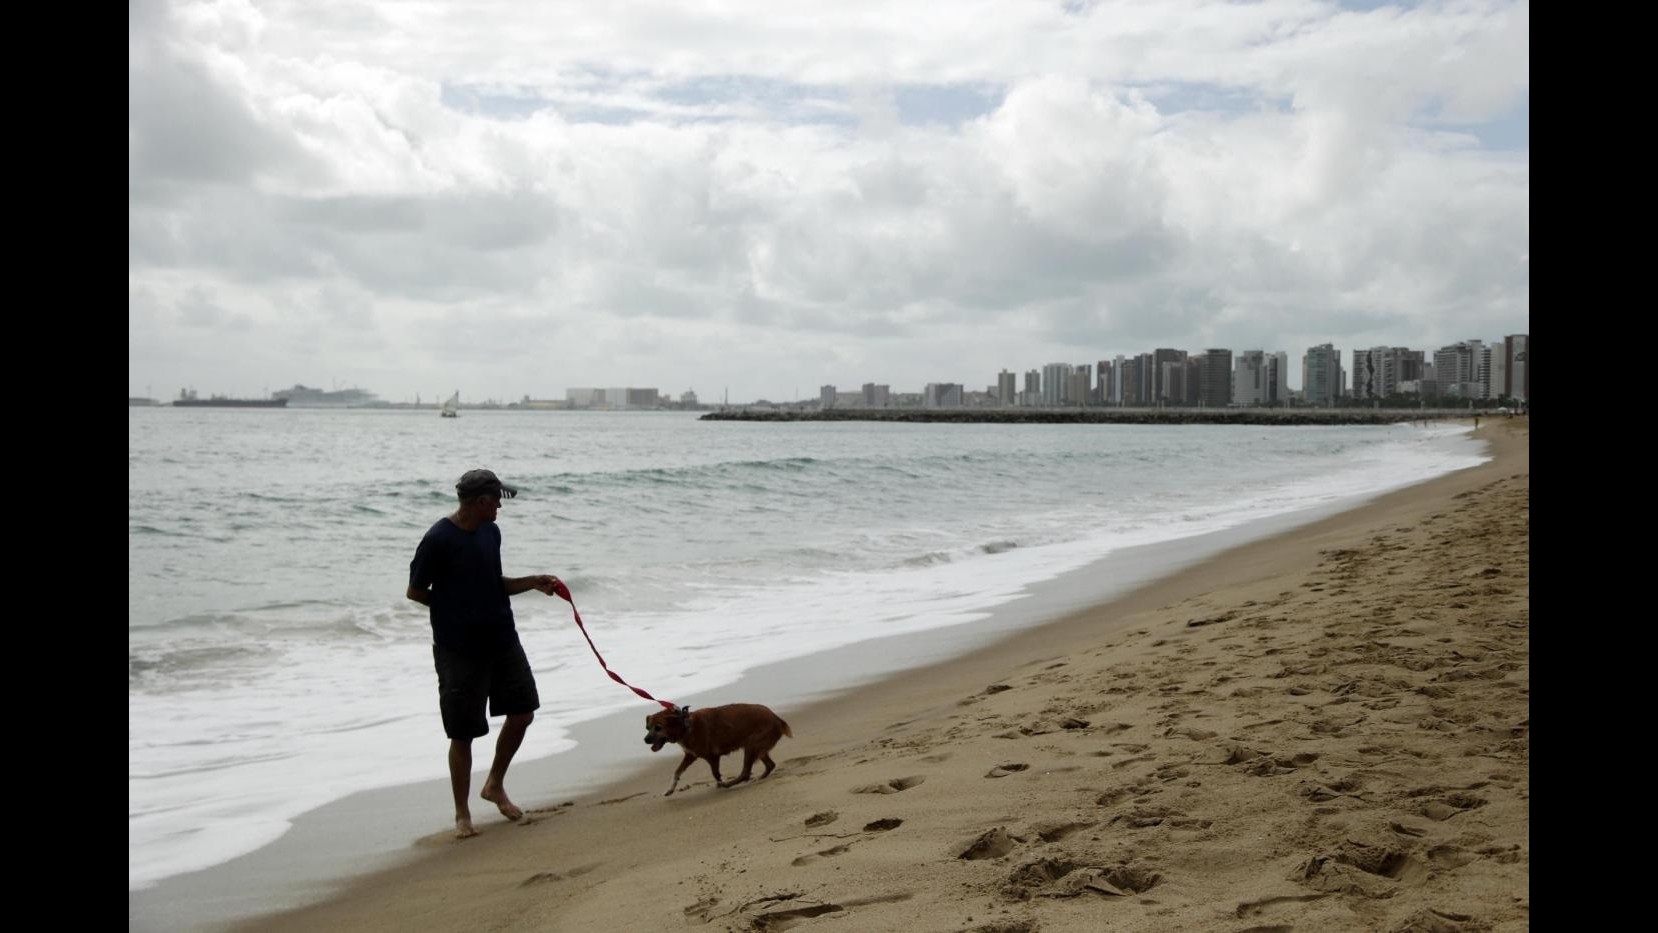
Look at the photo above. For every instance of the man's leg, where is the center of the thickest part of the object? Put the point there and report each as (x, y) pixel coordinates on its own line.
(512, 692)
(506, 746)
(462, 693)
(460, 783)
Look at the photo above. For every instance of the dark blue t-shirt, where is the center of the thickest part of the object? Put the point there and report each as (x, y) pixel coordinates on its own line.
(471, 612)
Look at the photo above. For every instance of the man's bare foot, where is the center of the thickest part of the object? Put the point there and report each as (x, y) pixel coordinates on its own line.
(496, 794)
(463, 827)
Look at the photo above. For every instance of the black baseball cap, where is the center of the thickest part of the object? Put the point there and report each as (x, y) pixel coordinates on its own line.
(480, 482)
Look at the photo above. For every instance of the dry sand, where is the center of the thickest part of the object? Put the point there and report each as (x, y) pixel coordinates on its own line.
(1325, 730)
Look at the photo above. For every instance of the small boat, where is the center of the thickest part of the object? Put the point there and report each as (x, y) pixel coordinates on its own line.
(451, 408)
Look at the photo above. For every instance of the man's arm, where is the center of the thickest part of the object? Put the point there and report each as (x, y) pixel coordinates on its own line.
(423, 597)
(543, 582)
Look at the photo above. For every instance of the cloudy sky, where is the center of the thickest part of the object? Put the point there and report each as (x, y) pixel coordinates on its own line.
(512, 198)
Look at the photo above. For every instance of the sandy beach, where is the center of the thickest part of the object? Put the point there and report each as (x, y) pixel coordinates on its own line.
(1324, 730)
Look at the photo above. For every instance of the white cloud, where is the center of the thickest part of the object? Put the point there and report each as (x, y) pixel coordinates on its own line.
(410, 197)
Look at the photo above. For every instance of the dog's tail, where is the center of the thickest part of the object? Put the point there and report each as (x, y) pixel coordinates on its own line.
(785, 726)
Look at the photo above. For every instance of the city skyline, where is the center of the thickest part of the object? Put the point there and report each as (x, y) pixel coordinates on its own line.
(510, 201)
(1499, 367)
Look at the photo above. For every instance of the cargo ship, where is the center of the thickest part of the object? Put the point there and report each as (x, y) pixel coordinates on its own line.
(187, 399)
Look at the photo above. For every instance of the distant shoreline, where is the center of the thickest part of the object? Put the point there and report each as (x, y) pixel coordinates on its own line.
(1269, 416)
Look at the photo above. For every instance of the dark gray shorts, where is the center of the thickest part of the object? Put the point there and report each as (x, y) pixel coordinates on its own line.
(464, 684)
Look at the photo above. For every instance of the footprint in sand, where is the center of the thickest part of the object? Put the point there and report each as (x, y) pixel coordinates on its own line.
(1450, 805)
(546, 876)
(701, 908)
(891, 787)
(1005, 770)
(1169, 773)
(822, 819)
(1063, 878)
(1442, 921)
(1053, 832)
(1113, 797)
(830, 852)
(993, 843)
(1256, 908)
(777, 920)
(1146, 817)
(1450, 856)
(1193, 733)
(1383, 861)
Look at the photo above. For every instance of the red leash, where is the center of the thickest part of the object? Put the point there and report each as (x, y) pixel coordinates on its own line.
(564, 594)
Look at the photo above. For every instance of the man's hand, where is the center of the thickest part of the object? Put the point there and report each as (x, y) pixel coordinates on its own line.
(547, 583)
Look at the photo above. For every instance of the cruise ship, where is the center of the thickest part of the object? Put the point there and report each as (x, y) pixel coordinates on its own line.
(305, 397)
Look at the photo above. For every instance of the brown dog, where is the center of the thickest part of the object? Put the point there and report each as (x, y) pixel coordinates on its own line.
(714, 731)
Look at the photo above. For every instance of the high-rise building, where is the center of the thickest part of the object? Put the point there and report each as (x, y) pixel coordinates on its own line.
(1409, 363)
(1054, 384)
(1457, 369)
(1147, 372)
(1007, 386)
(1103, 386)
(1281, 379)
(1128, 381)
(1380, 371)
(1173, 381)
(941, 395)
(1214, 385)
(1252, 378)
(826, 397)
(1076, 386)
(1321, 380)
(876, 396)
(1367, 377)
(1161, 390)
(1517, 375)
(1032, 395)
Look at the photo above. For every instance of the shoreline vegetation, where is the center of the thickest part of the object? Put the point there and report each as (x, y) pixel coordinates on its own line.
(1277, 416)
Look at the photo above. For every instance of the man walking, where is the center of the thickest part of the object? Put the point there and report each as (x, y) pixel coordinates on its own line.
(456, 572)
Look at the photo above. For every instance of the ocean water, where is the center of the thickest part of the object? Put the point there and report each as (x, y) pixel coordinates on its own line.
(274, 664)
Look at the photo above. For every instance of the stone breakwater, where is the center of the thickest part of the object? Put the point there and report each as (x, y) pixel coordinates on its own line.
(1339, 416)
